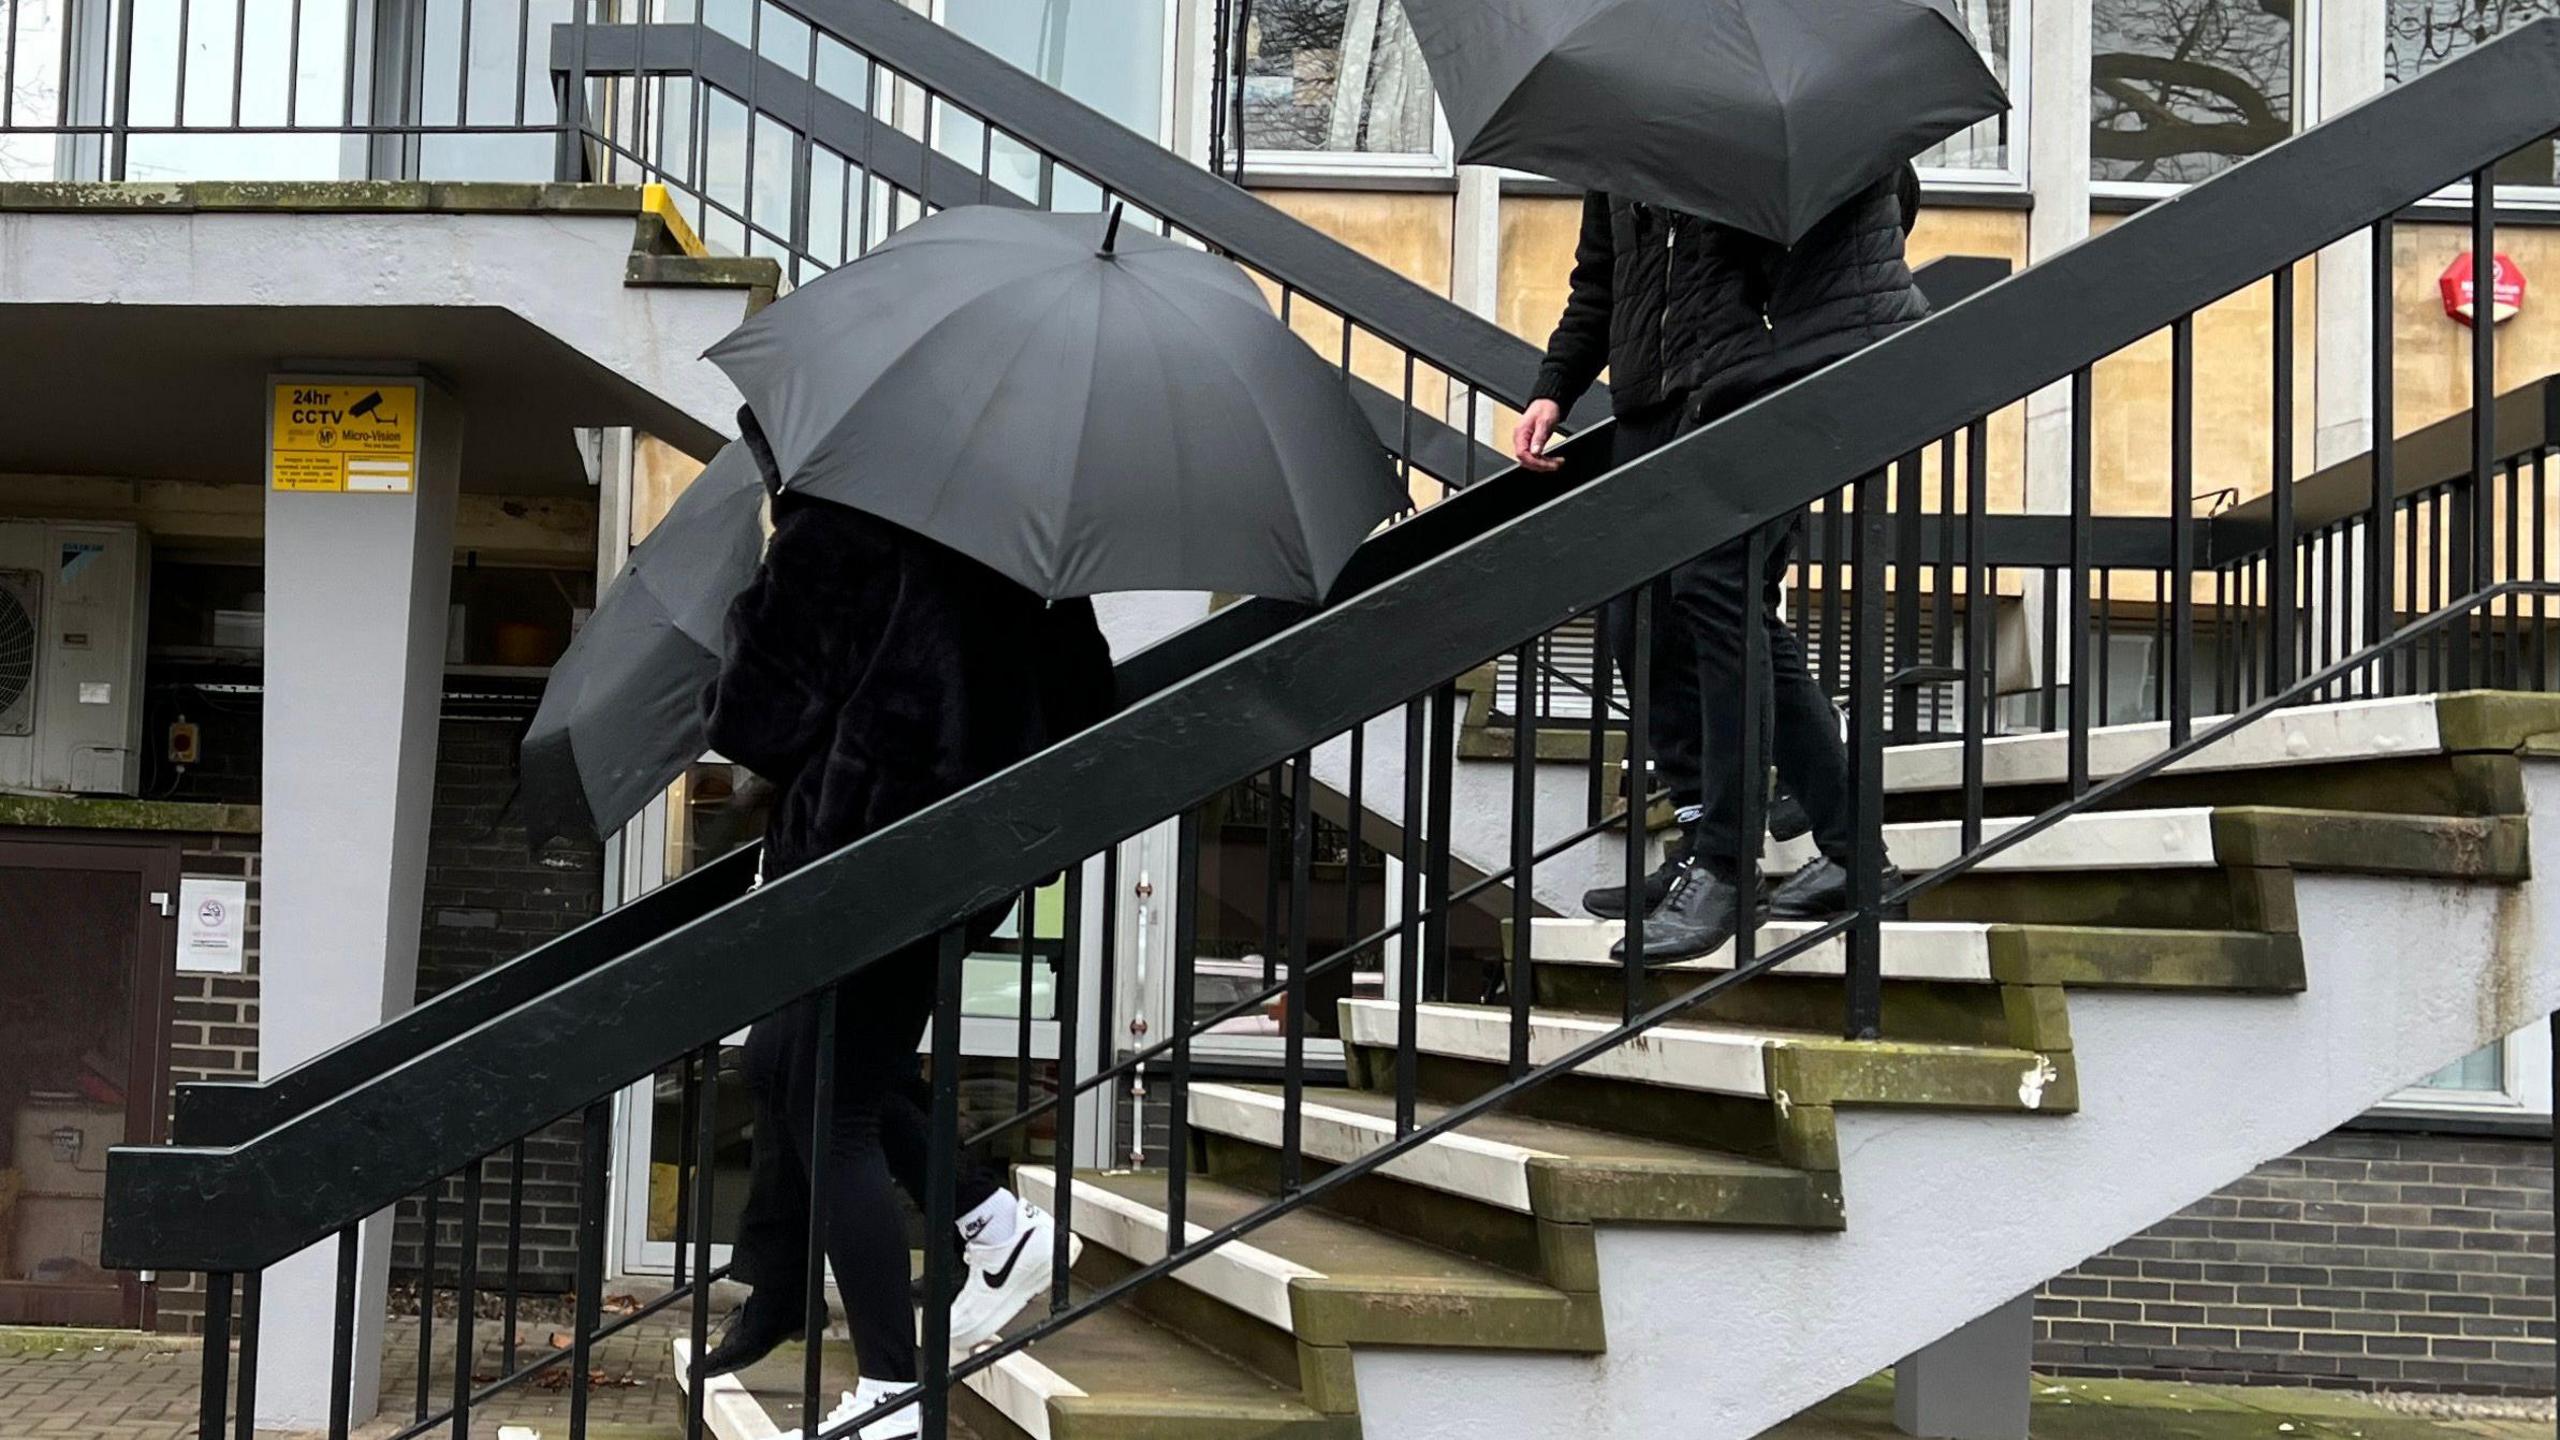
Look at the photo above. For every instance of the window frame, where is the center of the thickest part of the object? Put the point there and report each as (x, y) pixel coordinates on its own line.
(1439, 163)
(2306, 99)
(2015, 176)
(2536, 198)
(2524, 1090)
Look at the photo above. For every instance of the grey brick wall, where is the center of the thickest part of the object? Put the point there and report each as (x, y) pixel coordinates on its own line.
(487, 902)
(213, 1032)
(2367, 1260)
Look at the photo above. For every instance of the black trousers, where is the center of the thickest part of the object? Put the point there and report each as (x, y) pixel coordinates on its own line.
(1674, 724)
(1695, 727)
(877, 1145)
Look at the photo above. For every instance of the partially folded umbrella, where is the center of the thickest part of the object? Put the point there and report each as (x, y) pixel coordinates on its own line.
(621, 717)
(1763, 115)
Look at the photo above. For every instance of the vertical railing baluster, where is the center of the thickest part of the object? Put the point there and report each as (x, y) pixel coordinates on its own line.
(1275, 872)
(1024, 984)
(1598, 726)
(685, 1128)
(2541, 571)
(214, 1386)
(1639, 668)
(1751, 766)
(245, 1410)
(2484, 400)
(1293, 1005)
(342, 1346)
(1070, 1052)
(1355, 824)
(822, 1162)
(1835, 548)
(466, 1327)
(515, 1250)
(1866, 683)
(1981, 610)
(426, 1295)
(2281, 572)
(595, 1155)
(1942, 596)
(2076, 597)
(1524, 849)
(2050, 696)
(2381, 615)
(942, 1181)
(1186, 959)
(1436, 861)
(2182, 533)
(1409, 910)
(1903, 697)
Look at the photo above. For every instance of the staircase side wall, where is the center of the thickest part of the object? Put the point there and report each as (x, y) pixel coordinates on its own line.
(1724, 1334)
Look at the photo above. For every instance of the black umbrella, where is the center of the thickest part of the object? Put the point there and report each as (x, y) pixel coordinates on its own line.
(621, 717)
(1759, 114)
(1081, 408)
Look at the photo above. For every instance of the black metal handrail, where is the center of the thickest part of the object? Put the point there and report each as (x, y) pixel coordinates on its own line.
(227, 1209)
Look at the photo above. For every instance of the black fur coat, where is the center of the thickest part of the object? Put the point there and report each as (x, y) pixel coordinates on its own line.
(871, 672)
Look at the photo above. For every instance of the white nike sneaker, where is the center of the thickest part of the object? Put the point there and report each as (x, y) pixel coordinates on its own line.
(866, 1396)
(1004, 1279)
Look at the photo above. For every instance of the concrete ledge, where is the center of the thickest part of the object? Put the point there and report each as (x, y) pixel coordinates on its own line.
(81, 812)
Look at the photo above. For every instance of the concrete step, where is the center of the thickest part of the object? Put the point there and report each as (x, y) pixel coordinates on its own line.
(1116, 1373)
(1970, 953)
(1567, 1174)
(1322, 1280)
(1787, 1067)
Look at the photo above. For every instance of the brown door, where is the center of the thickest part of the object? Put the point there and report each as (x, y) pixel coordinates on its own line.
(85, 955)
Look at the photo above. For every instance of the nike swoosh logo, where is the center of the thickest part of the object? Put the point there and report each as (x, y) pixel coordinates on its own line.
(997, 1278)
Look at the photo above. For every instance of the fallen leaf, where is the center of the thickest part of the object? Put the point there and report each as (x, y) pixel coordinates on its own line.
(562, 1340)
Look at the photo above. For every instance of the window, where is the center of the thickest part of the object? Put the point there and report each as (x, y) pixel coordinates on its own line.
(2424, 34)
(1110, 54)
(1988, 150)
(1337, 78)
(2184, 89)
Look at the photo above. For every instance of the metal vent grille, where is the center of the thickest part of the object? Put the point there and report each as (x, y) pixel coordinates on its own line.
(20, 591)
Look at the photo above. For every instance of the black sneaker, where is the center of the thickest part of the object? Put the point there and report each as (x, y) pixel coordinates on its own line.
(752, 1331)
(1820, 891)
(1610, 901)
(1698, 917)
(1787, 817)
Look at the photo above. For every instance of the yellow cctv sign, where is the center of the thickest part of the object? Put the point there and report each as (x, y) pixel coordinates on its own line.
(344, 439)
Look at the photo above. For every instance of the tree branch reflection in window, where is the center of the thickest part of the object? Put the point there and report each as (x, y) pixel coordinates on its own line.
(2186, 88)
(2427, 33)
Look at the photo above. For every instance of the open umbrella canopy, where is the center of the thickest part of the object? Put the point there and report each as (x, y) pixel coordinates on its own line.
(622, 714)
(1082, 408)
(1764, 115)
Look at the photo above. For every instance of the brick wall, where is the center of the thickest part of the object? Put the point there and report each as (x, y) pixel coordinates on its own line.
(213, 1030)
(487, 902)
(2367, 1260)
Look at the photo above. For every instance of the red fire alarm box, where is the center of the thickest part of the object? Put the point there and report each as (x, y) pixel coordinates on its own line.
(2505, 304)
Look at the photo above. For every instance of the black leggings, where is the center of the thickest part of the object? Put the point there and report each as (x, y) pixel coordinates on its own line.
(877, 1145)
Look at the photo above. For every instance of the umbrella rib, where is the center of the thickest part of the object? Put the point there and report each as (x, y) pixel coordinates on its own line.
(1270, 442)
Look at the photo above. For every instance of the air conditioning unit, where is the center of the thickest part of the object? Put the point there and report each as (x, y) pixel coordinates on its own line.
(74, 601)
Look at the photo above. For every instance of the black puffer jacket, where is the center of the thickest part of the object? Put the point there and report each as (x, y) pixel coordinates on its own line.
(1675, 305)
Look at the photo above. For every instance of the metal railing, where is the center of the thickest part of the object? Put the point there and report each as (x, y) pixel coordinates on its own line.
(1258, 688)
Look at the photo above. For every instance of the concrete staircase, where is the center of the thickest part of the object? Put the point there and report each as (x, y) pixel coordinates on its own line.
(1710, 1228)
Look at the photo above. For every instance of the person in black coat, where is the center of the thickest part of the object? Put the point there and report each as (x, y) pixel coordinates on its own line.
(1695, 320)
(869, 673)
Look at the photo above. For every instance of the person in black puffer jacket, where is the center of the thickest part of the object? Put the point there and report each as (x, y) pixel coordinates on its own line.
(1695, 320)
